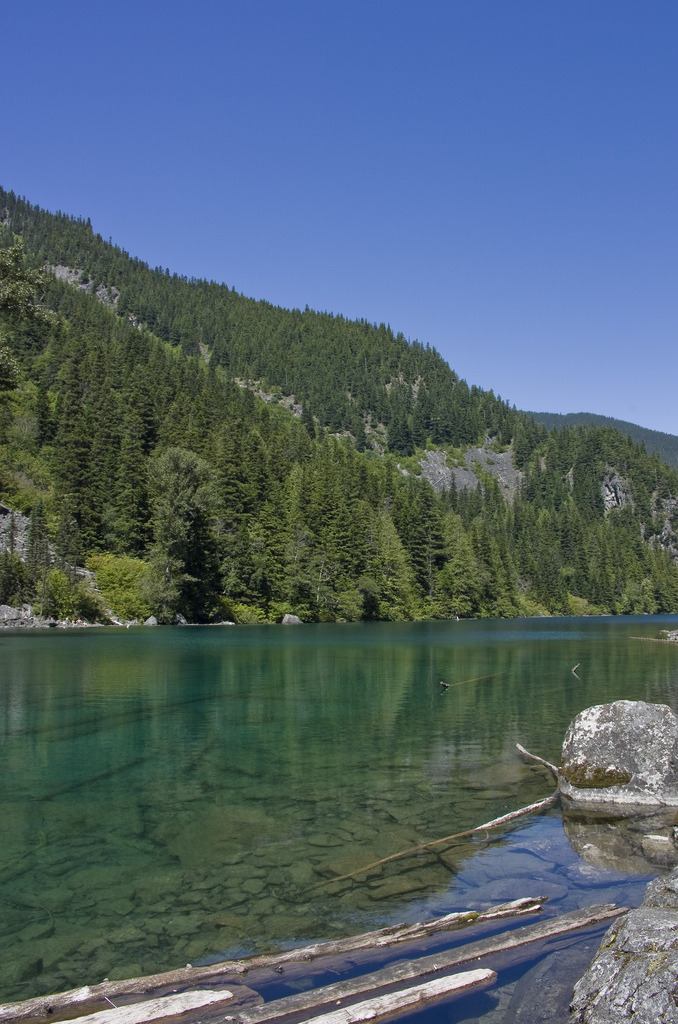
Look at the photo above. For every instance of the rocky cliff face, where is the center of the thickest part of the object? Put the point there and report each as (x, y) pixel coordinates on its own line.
(477, 461)
(107, 294)
(666, 512)
(616, 490)
(13, 531)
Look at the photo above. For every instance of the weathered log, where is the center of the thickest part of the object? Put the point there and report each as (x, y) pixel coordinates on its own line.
(408, 970)
(653, 639)
(166, 1008)
(415, 998)
(229, 971)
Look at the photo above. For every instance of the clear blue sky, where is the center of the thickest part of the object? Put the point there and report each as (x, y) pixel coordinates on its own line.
(498, 178)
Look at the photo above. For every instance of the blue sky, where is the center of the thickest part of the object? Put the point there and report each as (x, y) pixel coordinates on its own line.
(498, 178)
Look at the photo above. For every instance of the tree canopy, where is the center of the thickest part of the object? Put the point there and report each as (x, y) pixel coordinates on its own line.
(230, 459)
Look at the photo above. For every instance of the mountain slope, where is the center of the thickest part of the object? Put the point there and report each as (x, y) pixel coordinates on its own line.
(348, 375)
(128, 436)
(664, 445)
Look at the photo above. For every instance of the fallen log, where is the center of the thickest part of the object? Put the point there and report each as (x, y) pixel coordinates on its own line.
(228, 971)
(166, 1008)
(540, 805)
(408, 970)
(653, 639)
(419, 997)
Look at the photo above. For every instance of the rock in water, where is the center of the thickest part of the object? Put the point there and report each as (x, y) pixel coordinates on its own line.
(291, 620)
(621, 756)
(634, 975)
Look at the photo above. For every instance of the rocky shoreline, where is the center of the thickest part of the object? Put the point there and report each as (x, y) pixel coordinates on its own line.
(635, 972)
(24, 618)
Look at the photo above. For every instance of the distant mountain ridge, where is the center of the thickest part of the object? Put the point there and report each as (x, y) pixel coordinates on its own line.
(665, 445)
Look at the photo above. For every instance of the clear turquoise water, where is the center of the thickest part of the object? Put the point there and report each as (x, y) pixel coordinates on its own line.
(167, 795)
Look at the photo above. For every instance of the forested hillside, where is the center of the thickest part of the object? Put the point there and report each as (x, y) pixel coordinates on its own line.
(655, 441)
(131, 435)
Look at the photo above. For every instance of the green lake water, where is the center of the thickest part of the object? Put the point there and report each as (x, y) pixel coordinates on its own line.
(169, 795)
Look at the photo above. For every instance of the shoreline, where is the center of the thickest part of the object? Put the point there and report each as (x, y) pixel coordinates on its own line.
(13, 618)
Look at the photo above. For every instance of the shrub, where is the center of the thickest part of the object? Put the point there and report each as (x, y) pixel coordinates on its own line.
(123, 583)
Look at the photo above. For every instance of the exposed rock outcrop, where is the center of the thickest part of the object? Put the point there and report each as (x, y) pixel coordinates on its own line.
(13, 531)
(621, 756)
(108, 294)
(616, 491)
(665, 511)
(435, 469)
(634, 975)
(26, 617)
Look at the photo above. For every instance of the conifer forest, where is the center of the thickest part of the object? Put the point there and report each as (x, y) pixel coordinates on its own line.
(174, 448)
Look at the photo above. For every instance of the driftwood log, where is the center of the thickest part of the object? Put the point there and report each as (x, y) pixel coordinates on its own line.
(167, 1008)
(527, 756)
(418, 997)
(68, 1005)
(230, 971)
(434, 963)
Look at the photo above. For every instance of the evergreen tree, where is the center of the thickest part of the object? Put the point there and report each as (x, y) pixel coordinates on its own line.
(183, 555)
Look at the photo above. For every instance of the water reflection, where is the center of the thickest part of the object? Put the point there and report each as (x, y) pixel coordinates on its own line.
(639, 844)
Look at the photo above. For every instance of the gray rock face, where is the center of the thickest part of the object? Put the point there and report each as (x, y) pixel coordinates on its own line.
(151, 621)
(435, 469)
(13, 531)
(616, 491)
(9, 614)
(291, 620)
(634, 975)
(662, 892)
(620, 756)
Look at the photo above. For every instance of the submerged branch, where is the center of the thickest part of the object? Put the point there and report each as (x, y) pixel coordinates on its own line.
(540, 805)
(526, 755)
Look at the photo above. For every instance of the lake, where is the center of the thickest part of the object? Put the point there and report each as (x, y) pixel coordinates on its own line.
(169, 795)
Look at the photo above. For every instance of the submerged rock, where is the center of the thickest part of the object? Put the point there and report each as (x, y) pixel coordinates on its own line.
(621, 756)
(638, 844)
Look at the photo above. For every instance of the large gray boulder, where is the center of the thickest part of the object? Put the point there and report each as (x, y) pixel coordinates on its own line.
(9, 614)
(621, 756)
(634, 975)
